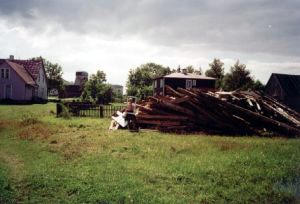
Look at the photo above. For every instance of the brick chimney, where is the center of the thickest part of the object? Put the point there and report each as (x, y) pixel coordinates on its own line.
(11, 57)
(184, 71)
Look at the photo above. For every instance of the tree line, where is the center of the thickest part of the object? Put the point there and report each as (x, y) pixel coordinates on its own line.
(140, 79)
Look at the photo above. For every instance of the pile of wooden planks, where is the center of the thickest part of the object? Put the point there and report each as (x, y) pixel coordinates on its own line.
(238, 113)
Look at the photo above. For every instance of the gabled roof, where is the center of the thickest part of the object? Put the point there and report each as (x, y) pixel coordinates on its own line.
(19, 69)
(289, 83)
(32, 66)
(188, 76)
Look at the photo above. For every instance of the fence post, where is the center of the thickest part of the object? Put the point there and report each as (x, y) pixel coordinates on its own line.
(58, 109)
(101, 111)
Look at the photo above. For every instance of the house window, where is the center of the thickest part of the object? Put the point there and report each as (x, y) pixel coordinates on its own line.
(2, 73)
(194, 82)
(7, 74)
(161, 85)
(188, 84)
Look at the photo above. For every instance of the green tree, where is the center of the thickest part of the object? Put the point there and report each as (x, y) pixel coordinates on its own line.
(216, 70)
(258, 86)
(140, 80)
(238, 78)
(54, 74)
(190, 69)
(97, 90)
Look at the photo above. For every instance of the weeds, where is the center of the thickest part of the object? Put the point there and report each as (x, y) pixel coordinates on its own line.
(29, 119)
(65, 112)
(38, 130)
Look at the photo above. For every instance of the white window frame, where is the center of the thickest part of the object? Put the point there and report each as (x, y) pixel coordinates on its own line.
(161, 83)
(188, 84)
(194, 82)
(155, 83)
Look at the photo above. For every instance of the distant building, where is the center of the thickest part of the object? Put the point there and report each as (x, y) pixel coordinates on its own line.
(22, 80)
(285, 88)
(183, 80)
(81, 78)
(117, 89)
(75, 90)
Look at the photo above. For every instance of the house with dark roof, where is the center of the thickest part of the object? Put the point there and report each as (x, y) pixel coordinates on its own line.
(183, 80)
(22, 80)
(285, 88)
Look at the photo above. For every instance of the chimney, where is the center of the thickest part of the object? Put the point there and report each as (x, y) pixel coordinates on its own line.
(184, 71)
(11, 57)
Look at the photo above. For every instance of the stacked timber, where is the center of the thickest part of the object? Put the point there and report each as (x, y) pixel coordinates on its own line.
(239, 113)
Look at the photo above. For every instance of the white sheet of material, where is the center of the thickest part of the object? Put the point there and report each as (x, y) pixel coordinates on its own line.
(120, 119)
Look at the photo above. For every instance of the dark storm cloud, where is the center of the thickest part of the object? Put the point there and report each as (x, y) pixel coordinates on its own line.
(271, 26)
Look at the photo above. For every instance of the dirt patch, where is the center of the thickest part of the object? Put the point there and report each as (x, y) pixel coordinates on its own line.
(8, 124)
(38, 130)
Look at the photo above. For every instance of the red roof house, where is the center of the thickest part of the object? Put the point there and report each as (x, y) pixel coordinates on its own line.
(22, 80)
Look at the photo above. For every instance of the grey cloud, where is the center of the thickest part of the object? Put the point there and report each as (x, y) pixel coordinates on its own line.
(271, 26)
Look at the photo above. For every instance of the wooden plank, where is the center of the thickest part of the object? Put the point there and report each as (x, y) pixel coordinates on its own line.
(257, 118)
(176, 108)
(181, 100)
(159, 123)
(170, 91)
(161, 117)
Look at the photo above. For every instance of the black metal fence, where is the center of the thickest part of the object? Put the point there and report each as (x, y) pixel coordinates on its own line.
(90, 110)
(102, 111)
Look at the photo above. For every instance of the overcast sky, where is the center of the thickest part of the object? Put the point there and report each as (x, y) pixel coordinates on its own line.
(117, 35)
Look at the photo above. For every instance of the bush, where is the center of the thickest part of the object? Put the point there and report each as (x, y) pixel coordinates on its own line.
(65, 112)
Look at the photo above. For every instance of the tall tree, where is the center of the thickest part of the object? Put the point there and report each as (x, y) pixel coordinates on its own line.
(178, 69)
(216, 70)
(199, 71)
(140, 80)
(96, 89)
(238, 78)
(190, 69)
(54, 74)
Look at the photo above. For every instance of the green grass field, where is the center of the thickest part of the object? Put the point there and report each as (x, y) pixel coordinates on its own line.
(44, 159)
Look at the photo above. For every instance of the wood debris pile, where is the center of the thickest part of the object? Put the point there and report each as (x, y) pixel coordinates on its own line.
(239, 113)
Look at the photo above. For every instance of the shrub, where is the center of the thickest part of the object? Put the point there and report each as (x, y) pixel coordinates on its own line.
(65, 112)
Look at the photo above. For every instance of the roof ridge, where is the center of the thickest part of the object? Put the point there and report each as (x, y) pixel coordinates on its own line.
(286, 74)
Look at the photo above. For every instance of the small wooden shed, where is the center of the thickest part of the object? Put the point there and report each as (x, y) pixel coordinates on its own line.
(285, 88)
(183, 80)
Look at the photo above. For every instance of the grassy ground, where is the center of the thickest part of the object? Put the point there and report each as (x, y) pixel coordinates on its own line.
(48, 160)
